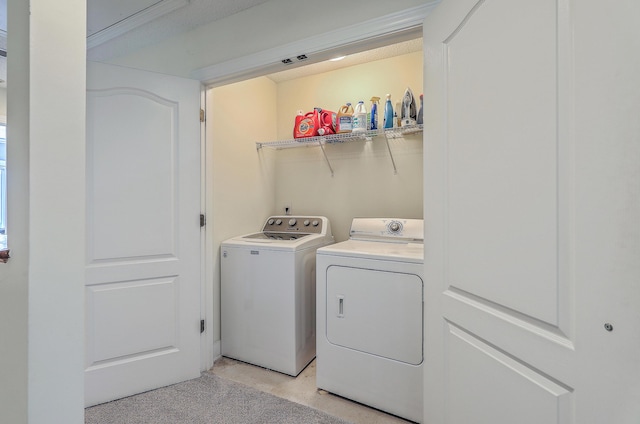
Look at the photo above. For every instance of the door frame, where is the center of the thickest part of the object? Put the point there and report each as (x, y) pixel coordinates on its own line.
(389, 29)
(207, 351)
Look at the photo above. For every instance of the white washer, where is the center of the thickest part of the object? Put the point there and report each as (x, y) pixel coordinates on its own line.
(370, 316)
(268, 293)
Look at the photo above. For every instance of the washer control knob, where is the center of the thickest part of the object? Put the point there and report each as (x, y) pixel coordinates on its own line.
(271, 221)
(278, 222)
(315, 223)
(306, 222)
(292, 222)
(395, 226)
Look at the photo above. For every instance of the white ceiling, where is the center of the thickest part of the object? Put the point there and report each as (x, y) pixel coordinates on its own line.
(102, 14)
(118, 27)
(134, 24)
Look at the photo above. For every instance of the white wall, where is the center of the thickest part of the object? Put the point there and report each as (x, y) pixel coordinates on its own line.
(268, 25)
(246, 185)
(42, 285)
(239, 180)
(364, 183)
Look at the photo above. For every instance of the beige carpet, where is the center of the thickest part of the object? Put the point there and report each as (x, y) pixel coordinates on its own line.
(206, 400)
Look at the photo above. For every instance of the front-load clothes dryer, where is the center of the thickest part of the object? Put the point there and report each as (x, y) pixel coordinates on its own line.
(268, 293)
(370, 316)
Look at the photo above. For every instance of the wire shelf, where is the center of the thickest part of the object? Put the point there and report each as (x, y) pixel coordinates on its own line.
(388, 133)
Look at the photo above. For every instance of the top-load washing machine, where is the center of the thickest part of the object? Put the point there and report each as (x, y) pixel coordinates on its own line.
(370, 316)
(268, 293)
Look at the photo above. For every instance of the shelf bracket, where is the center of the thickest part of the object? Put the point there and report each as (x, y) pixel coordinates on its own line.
(325, 156)
(393, 162)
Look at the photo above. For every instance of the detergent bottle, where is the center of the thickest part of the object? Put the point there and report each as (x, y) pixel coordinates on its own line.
(396, 116)
(306, 125)
(344, 119)
(360, 117)
(373, 122)
(327, 122)
(388, 113)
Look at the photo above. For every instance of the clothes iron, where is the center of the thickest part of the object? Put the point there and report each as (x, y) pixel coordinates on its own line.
(409, 110)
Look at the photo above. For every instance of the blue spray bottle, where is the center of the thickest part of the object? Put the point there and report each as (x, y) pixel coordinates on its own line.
(373, 123)
(388, 113)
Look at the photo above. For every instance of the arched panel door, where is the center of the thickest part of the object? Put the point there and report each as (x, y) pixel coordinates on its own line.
(143, 232)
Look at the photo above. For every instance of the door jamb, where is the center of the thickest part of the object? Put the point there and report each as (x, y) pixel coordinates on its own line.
(359, 37)
(207, 353)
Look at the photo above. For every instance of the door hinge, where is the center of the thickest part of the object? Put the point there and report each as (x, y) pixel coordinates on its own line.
(201, 326)
(203, 220)
(201, 115)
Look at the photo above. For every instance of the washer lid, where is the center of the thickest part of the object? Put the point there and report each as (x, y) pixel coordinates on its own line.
(276, 236)
(261, 241)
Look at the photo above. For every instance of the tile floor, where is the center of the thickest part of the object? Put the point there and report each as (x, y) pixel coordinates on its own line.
(301, 389)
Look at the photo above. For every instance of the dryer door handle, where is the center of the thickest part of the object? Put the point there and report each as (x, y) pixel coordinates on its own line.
(340, 305)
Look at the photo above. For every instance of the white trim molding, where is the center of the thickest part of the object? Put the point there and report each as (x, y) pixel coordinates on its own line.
(142, 17)
(369, 34)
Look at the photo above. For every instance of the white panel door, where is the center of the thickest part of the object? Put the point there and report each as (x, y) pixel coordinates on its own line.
(143, 232)
(519, 327)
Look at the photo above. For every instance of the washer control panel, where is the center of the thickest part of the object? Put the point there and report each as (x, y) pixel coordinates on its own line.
(300, 224)
(387, 229)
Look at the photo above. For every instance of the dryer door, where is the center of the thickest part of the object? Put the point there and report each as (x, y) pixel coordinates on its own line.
(376, 312)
